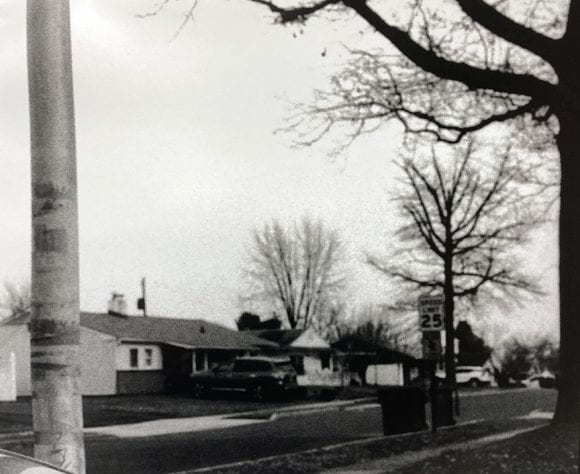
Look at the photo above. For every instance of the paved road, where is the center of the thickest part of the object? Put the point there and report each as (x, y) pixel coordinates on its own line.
(173, 453)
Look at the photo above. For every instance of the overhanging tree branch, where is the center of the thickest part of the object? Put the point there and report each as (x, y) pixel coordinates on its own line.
(473, 77)
(296, 14)
(512, 31)
(459, 132)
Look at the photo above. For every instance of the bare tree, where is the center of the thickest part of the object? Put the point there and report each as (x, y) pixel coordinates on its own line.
(462, 65)
(298, 270)
(376, 323)
(331, 323)
(460, 225)
(380, 325)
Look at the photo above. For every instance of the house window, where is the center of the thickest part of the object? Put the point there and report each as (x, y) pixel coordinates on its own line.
(325, 361)
(199, 361)
(148, 357)
(335, 364)
(134, 358)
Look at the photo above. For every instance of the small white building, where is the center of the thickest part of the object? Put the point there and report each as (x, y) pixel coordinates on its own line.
(311, 355)
(373, 363)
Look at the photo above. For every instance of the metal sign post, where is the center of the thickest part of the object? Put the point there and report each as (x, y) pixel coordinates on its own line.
(431, 323)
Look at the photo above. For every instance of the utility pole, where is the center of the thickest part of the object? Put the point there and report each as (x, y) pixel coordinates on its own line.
(55, 329)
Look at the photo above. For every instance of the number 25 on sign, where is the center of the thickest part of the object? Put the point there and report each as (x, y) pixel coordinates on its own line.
(431, 322)
(431, 313)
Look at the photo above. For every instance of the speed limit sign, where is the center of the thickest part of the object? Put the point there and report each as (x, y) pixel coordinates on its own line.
(431, 313)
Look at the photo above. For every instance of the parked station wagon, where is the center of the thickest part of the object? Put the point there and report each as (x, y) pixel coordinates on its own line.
(259, 376)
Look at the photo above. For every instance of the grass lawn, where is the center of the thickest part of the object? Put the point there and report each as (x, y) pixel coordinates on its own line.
(550, 449)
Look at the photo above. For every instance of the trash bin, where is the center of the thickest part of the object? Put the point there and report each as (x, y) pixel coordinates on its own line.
(403, 409)
(444, 401)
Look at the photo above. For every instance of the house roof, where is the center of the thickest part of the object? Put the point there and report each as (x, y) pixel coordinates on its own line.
(188, 333)
(185, 332)
(295, 339)
(282, 337)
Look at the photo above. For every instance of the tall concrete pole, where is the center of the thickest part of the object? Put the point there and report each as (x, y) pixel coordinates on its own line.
(55, 330)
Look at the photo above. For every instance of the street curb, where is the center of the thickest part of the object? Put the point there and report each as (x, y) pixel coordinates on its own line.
(299, 409)
(338, 404)
(492, 391)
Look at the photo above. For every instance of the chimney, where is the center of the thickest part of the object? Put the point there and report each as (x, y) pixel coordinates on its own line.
(117, 305)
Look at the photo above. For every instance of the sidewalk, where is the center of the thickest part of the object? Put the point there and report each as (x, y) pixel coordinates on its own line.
(167, 426)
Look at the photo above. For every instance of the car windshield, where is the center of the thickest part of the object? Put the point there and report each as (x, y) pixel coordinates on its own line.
(252, 366)
(284, 366)
(222, 368)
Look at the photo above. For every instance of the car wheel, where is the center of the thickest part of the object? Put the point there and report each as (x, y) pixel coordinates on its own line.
(474, 383)
(328, 395)
(198, 390)
(258, 393)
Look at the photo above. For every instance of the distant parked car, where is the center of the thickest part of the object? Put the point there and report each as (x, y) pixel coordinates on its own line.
(259, 376)
(14, 463)
(544, 380)
(473, 375)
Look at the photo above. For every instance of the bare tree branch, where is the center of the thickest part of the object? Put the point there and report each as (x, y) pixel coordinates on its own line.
(512, 31)
(478, 216)
(296, 14)
(473, 77)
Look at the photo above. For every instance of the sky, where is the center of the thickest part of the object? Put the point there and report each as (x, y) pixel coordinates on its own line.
(178, 159)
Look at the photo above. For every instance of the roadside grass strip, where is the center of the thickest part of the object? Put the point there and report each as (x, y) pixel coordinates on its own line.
(373, 453)
(403, 460)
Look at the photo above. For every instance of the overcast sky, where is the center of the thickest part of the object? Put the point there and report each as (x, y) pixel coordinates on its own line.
(178, 162)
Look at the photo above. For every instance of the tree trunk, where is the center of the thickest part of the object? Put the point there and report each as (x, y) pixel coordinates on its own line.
(55, 331)
(568, 140)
